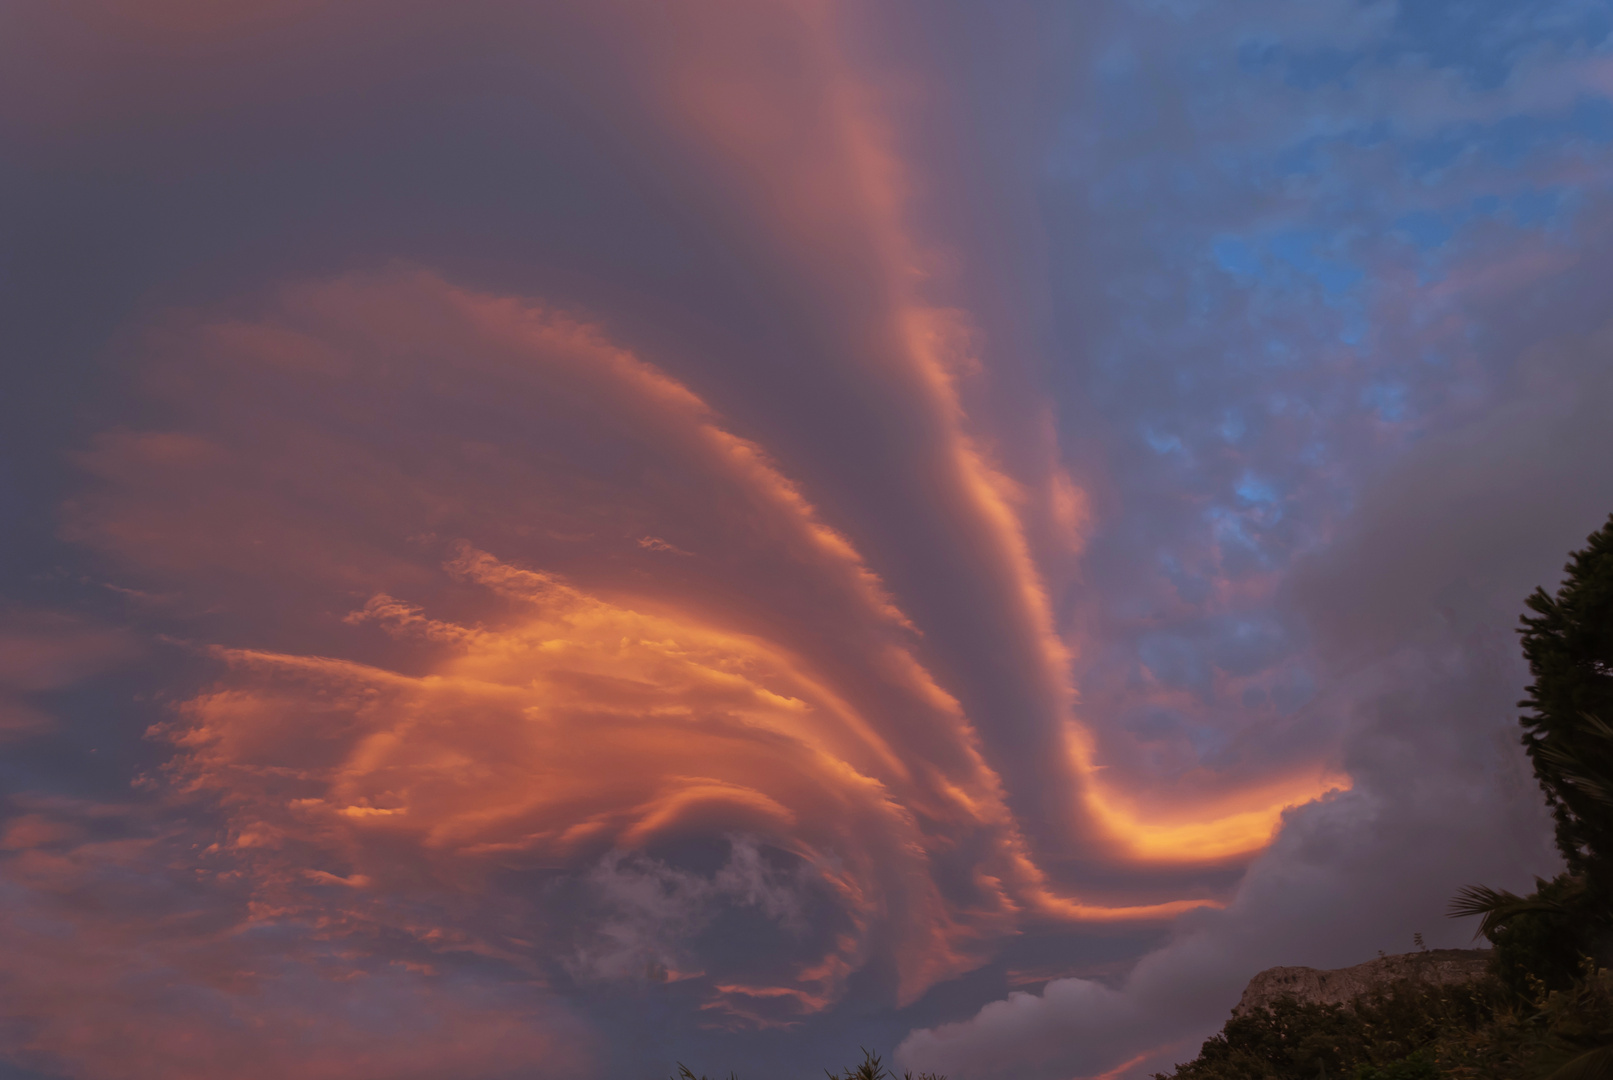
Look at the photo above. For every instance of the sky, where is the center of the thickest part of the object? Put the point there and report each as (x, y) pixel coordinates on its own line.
(558, 540)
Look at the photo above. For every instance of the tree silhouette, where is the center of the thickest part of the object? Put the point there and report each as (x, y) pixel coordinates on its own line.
(1569, 645)
(1568, 642)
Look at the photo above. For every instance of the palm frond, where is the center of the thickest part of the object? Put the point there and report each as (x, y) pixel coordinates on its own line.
(1574, 772)
(1496, 907)
(1597, 726)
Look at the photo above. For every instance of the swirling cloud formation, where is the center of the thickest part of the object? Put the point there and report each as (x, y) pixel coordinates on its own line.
(609, 531)
(574, 701)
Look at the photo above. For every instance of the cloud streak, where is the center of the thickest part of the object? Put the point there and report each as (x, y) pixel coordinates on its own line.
(785, 524)
(468, 718)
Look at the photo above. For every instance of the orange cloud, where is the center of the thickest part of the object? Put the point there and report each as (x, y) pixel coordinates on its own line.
(505, 715)
(508, 618)
(427, 530)
(462, 714)
(573, 727)
(1209, 830)
(838, 188)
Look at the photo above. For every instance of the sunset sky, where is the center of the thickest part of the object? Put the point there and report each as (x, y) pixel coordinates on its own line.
(552, 540)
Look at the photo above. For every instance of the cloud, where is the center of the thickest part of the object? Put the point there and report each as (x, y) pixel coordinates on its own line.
(409, 723)
(462, 717)
(832, 505)
(655, 543)
(1319, 511)
(1346, 877)
(1412, 605)
(124, 961)
(43, 651)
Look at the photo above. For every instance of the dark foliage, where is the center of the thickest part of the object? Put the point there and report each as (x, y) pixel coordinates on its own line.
(685, 1073)
(1478, 1031)
(872, 1068)
(1569, 645)
(1385, 1036)
(1568, 641)
(1545, 946)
